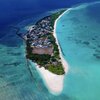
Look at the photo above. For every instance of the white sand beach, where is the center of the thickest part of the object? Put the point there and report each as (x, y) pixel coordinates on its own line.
(53, 82)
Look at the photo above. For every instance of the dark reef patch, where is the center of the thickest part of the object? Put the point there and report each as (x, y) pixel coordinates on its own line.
(97, 56)
(13, 64)
(99, 46)
(14, 54)
(75, 20)
(93, 39)
(78, 41)
(86, 42)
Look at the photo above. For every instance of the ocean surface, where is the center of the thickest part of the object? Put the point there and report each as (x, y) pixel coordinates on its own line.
(78, 32)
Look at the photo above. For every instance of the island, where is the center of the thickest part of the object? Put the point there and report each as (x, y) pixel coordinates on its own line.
(43, 49)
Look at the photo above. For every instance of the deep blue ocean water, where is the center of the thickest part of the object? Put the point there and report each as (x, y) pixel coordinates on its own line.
(80, 45)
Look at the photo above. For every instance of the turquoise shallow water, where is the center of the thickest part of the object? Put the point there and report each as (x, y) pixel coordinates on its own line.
(78, 32)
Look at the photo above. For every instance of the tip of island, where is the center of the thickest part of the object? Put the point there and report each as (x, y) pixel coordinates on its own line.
(42, 48)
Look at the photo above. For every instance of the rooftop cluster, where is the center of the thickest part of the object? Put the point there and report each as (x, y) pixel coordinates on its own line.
(39, 36)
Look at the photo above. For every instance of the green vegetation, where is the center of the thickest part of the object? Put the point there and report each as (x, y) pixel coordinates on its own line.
(55, 16)
(56, 50)
(57, 69)
(52, 39)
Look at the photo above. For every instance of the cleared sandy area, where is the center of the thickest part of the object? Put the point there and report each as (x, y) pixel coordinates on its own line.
(40, 50)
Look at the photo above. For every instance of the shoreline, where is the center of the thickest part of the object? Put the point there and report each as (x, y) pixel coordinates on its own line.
(53, 82)
(64, 62)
